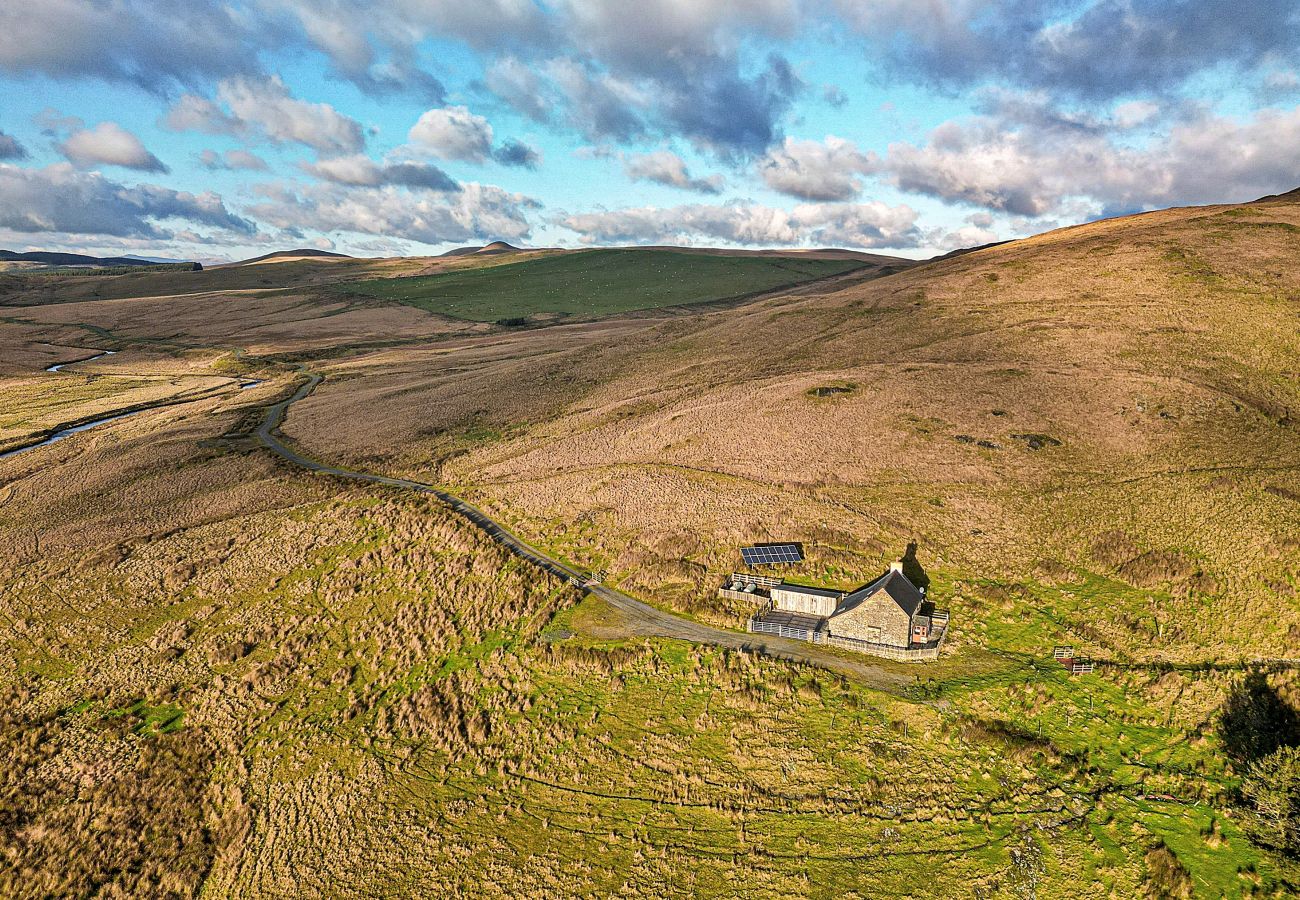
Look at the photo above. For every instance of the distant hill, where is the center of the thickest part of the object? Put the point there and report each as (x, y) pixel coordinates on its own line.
(499, 247)
(156, 260)
(486, 250)
(49, 258)
(45, 262)
(290, 255)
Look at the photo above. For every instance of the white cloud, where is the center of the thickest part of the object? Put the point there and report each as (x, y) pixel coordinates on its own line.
(1135, 113)
(264, 108)
(232, 159)
(667, 168)
(194, 113)
(362, 171)
(871, 225)
(267, 104)
(476, 211)
(109, 144)
(810, 170)
(454, 133)
(1039, 168)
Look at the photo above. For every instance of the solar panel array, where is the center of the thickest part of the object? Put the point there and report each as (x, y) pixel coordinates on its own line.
(771, 554)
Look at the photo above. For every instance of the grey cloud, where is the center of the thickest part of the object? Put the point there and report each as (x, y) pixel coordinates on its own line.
(730, 114)
(146, 42)
(61, 199)
(10, 148)
(516, 154)
(596, 104)
(667, 168)
(519, 85)
(677, 72)
(1096, 50)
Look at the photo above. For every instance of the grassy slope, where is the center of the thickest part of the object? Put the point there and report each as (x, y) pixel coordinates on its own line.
(1160, 352)
(302, 691)
(597, 283)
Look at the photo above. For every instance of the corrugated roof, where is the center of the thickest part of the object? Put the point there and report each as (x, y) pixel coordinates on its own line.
(897, 585)
(802, 589)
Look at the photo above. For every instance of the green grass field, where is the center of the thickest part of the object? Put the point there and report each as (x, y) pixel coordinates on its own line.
(597, 283)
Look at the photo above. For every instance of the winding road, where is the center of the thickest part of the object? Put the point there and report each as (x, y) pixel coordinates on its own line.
(641, 618)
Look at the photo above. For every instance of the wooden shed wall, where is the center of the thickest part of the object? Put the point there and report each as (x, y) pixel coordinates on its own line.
(796, 601)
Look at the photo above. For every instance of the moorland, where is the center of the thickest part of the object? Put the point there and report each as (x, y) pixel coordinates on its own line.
(227, 675)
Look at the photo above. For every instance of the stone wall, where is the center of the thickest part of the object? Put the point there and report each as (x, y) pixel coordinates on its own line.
(878, 619)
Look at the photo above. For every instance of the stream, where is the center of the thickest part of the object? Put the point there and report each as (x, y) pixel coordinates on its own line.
(86, 426)
(69, 432)
(58, 367)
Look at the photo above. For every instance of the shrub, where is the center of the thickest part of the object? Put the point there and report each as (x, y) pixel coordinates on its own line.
(1270, 795)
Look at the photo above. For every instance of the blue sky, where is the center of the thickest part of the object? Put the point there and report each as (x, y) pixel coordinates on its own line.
(223, 130)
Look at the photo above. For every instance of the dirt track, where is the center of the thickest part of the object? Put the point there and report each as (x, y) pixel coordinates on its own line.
(640, 618)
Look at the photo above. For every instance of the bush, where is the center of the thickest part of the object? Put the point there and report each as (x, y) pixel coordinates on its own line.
(1270, 794)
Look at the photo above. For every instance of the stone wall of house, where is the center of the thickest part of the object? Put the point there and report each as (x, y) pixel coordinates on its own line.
(877, 619)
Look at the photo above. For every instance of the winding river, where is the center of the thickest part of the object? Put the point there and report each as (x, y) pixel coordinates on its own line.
(93, 423)
(69, 432)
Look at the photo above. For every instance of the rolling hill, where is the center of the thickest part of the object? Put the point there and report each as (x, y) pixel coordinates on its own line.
(593, 283)
(246, 677)
(1110, 406)
(292, 256)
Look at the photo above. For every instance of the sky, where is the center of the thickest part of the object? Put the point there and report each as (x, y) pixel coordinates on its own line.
(212, 130)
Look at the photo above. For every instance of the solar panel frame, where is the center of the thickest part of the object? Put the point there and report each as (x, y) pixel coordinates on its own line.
(772, 554)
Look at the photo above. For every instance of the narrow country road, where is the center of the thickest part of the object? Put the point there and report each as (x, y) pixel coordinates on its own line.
(642, 618)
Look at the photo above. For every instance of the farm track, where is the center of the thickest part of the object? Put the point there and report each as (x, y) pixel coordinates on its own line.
(641, 618)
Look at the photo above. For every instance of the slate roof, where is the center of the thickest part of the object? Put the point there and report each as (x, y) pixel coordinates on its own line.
(895, 584)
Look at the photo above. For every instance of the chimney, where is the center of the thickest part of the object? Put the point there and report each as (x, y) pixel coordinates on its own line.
(896, 567)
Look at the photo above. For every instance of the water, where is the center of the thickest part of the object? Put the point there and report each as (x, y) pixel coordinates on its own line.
(59, 366)
(69, 432)
(86, 426)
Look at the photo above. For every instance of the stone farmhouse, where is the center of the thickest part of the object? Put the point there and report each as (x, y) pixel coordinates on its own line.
(888, 617)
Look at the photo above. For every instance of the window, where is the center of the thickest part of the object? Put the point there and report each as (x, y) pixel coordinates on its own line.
(873, 633)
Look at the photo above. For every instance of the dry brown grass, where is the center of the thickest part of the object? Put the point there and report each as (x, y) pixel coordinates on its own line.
(376, 699)
(1159, 350)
